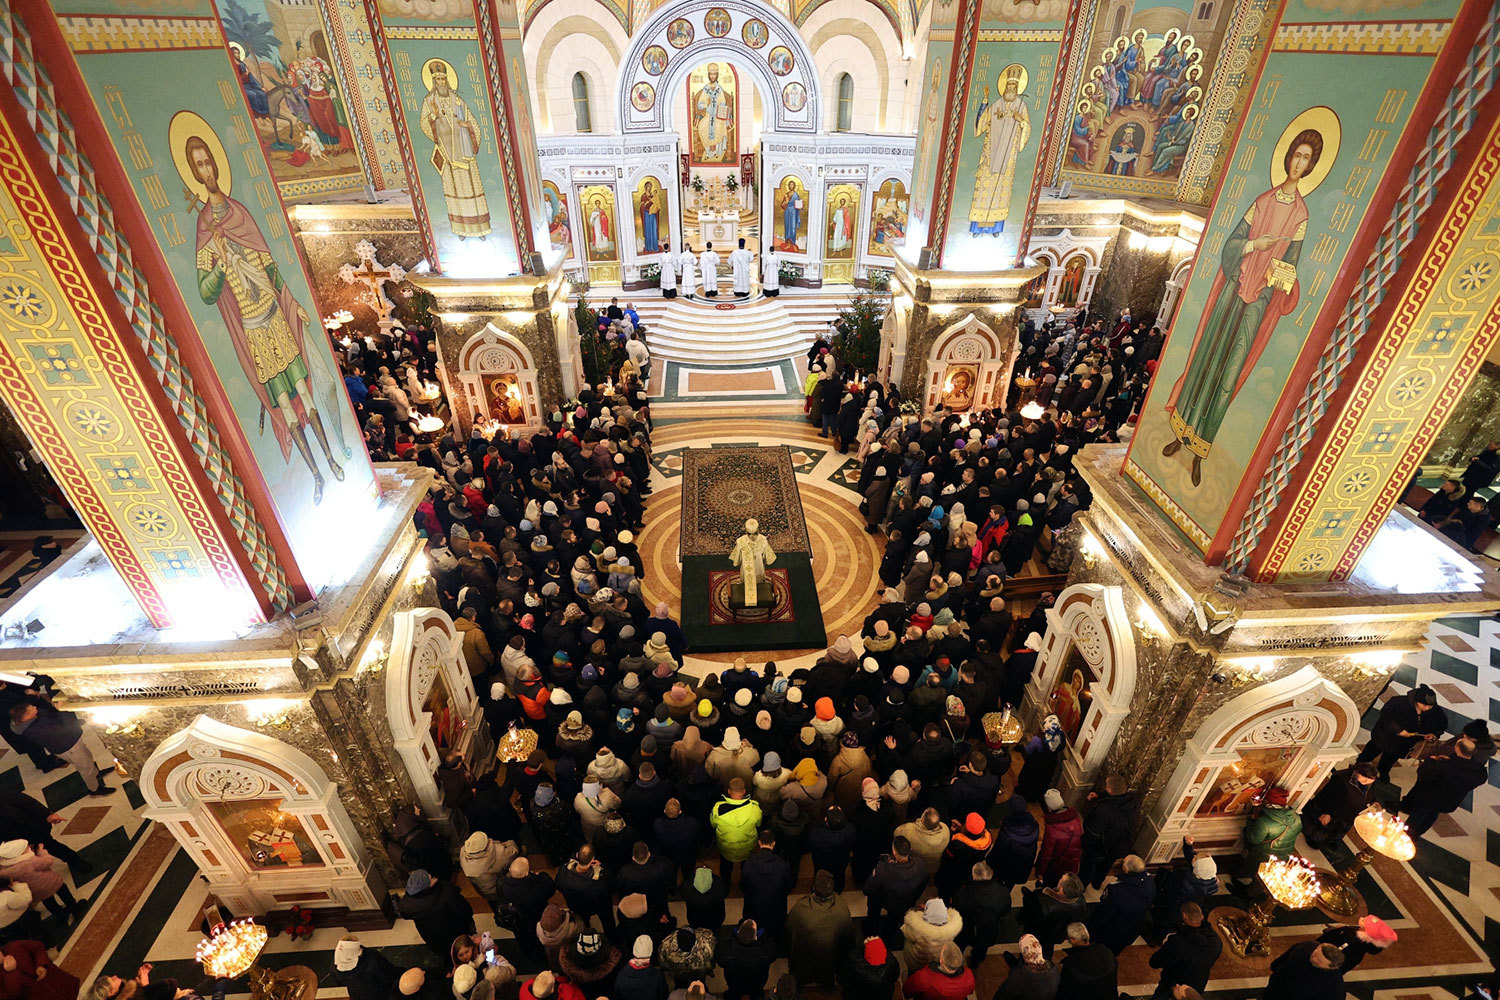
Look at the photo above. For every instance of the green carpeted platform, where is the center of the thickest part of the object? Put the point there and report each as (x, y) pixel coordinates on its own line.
(721, 488)
(703, 619)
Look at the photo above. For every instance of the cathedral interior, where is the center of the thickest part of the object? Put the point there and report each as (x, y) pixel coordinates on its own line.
(774, 508)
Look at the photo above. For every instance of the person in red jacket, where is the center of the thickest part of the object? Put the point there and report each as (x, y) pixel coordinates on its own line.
(947, 979)
(26, 973)
(1062, 841)
(547, 986)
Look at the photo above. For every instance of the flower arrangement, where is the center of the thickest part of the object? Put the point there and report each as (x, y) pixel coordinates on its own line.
(651, 272)
(697, 184)
(789, 271)
(732, 183)
(909, 407)
(879, 279)
(300, 923)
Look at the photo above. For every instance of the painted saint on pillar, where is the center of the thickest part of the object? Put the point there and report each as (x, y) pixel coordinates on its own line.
(1006, 126)
(265, 323)
(456, 138)
(1256, 285)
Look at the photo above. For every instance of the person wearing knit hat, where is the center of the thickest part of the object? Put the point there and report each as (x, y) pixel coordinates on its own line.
(794, 695)
(1370, 937)
(542, 987)
(464, 980)
(590, 959)
(871, 970)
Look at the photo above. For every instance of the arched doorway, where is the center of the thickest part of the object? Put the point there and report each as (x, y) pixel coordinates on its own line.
(968, 369)
(1289, 732)
(1085, 675)
(261, 820)
(497, 382)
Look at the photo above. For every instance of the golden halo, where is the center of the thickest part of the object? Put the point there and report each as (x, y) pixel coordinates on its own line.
(237, 49)
(186, 124)
(1085, 106)
(1190, 112)
(1138, 36)
(450, 73)
(1004, 74)
(1326, 122)
(1171, 32)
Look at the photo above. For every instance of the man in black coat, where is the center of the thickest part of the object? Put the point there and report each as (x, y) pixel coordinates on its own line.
(983, 903)
(676, 835)
(1443, 781)
(746, 958)
(24, 818)
(60, 733)
(1307, 971)
(1107, 830)
(1089, 971)
(1404, 720)
(893, 888)
(766, 881)
(440, 912)
(587, 888)
(649, 875)
(1188, 954)
(527, 892)
(1329, 815)
(994, 625)
(1121, 914)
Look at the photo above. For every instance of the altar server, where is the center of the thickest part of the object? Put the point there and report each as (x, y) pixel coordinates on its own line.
(770, 272)
(708, 263)
(688, 261)
(668, 278)
(740, 262)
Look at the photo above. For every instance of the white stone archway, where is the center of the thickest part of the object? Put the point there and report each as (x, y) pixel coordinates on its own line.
(784, 114)
(431, 704)
(261, 820)
(1092, 620)
(972, 347)
(489, 359)
(1298, 727)
(1175, 284)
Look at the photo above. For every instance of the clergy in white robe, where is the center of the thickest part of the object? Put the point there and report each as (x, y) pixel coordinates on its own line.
(708, 263)
(770, 272)
(740, 263)
(688, 261)
(668, 279)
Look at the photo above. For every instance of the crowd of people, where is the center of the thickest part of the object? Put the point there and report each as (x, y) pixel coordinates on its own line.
(659, 800)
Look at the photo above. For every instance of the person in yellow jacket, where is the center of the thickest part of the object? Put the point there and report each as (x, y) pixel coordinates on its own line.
(735, 820)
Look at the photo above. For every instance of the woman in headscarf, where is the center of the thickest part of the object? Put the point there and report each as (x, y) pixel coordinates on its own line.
(808, 787)
(914, 584)
(847, 772)
(656, 649)
(1033, 977)
(900, 790)
(1041, 752)
(689, 752)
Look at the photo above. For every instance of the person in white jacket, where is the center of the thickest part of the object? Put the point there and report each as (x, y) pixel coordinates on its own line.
(770, 272)
(708, 263)
(668, 279)
(689, 264)
(484, 861)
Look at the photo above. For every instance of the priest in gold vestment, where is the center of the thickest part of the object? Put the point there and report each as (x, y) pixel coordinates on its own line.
(1005, 126)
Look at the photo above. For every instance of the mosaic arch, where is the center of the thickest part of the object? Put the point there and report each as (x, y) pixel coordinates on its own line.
(771, 57)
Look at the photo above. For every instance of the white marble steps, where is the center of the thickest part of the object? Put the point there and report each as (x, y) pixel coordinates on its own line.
(761, 330)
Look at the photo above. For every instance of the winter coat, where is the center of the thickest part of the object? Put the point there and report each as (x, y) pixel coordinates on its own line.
(768, 789)
(1089, 973)
(896, 885)
(1294, 977)
(869, 982)
(14, 902)
(745, 966)
(21, 983)
(35, 869)
(477, 653)
(1014, 853)
(1340, 799)
(987, 903)
(705, 909)
(372, 978)
(636, 983)
(1273, 832)
(846, 775)
(1027, 984)
(441, 914)
(766, 881)
(1400, 714)
(1187, 956)
(924, 941)
(818, 933)
(682, 967)
(926, 844)
(931, 983)
(485, 866)
(1109, 826)
(1442, 783)
(1062, 846)
(591, 814)
(726, 765)
(735, 823)
(1122, 910)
